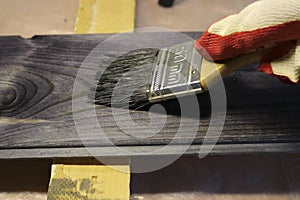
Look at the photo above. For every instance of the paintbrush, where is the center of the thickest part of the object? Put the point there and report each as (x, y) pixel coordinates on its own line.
(146, 76)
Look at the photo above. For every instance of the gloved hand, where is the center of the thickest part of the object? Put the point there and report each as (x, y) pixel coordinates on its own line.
(265, 23)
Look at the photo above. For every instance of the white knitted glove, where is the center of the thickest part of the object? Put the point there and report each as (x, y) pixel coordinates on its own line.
(264, 23)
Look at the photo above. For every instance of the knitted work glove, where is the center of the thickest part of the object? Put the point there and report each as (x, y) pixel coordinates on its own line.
(265, 23)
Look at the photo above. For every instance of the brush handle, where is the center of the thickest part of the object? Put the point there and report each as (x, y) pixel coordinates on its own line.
(210, 71)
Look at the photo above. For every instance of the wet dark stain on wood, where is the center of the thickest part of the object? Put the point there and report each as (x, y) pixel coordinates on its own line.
(37, 78)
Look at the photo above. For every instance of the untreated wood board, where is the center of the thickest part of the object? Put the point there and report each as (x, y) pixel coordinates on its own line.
(37, 78)
(89, 182)
(109, 16)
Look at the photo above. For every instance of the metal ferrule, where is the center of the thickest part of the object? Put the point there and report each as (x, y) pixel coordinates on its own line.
(176, 72)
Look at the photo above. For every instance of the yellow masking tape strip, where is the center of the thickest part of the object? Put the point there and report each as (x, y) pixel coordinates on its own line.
(89, 182)
(105, 16)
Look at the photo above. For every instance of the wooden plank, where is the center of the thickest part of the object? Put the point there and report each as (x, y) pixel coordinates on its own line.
(89, 182)
(37, 78)
(111, 152)
(105, 16)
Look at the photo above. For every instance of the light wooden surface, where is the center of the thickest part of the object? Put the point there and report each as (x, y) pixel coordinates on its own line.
(105, 16)
(89, 182)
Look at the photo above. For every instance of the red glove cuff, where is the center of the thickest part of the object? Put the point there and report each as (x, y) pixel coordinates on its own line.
(217, 47)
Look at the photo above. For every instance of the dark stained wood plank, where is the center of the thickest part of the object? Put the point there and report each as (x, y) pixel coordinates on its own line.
(37, 78)
(111, 152)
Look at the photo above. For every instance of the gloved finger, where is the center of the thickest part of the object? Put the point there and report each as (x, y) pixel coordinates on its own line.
(283, 61)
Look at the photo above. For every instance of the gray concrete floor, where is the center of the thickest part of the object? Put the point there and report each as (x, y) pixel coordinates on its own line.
(28, 17)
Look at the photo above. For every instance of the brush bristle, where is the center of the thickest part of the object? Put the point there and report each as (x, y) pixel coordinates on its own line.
(124, 82)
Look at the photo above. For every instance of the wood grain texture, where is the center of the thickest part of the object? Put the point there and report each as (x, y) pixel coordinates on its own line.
(37, 78)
